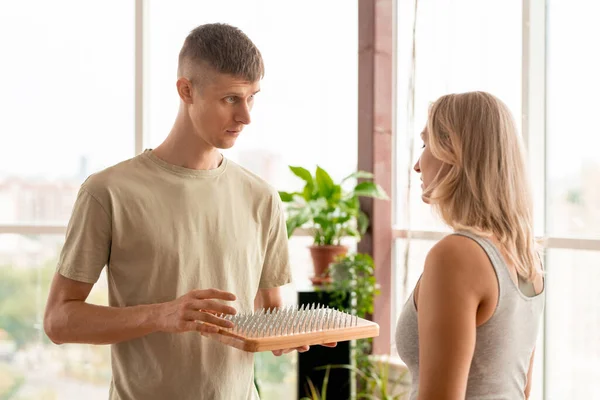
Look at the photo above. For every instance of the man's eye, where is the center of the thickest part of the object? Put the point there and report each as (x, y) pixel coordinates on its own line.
(230, 99)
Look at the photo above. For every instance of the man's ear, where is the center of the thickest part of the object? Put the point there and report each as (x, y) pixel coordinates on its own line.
(185, 90)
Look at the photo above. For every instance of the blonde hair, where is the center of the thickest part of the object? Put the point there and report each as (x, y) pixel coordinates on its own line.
(486, 189)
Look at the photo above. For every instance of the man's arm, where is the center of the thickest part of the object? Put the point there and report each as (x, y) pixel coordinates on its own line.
(268, 298)
(69, 319)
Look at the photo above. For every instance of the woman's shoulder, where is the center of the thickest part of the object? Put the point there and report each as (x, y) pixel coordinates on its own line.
(457, 259)
(456, 249)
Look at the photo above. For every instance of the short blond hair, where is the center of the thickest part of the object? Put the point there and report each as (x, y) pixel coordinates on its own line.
(224, 49)
(486, 189)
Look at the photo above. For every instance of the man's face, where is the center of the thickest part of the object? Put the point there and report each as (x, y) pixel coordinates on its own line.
(220, 108)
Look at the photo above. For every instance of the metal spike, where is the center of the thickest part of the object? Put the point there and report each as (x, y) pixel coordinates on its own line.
(233, 320)
(319, 319)
(297, 321)
(273, 323)
(259, 323)
(277, 325)
(290, 322)
(267, 324)
(252, 325)
(285, 321)
(261, 326)
(246, 323)
(256, 330)
(239, 318)
(302, 322)
(313, 319)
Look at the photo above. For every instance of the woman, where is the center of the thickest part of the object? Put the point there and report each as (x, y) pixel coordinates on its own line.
(469, 328)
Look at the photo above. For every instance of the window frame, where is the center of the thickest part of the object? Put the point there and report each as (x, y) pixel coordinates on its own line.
(533, 95)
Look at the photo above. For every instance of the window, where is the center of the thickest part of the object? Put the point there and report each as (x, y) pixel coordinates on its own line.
(67, 80)
(573, 173)
(31, 367)
(451, 58)
(573, 324)
(573, 201)
(69, 85)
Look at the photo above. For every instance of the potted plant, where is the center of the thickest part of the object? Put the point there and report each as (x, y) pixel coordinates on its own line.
(354, 276)
(330, 210)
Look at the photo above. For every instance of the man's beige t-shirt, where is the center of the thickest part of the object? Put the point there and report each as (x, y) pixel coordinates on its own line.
(162, 231)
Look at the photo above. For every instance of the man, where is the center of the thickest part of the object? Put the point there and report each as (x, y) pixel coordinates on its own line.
(186, 234)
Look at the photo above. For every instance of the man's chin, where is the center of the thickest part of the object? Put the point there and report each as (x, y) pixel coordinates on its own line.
(225, 144)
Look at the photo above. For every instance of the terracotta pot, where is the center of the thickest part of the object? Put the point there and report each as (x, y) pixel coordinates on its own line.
(322, 256)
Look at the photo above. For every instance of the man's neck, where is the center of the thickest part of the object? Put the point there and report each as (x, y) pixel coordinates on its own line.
(187, 151)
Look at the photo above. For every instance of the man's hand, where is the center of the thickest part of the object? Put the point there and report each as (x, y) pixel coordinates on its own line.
(188, 312)
(301, 349)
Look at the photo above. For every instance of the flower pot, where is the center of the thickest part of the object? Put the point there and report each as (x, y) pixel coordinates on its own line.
(322, 256)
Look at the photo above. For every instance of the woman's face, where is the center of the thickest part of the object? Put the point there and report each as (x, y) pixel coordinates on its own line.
(428, 166)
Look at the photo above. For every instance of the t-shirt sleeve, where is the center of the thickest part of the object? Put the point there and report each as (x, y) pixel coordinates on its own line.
(276, 269)
(87, 242)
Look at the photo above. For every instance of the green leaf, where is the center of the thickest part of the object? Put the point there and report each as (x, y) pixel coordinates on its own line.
(318, 206)
(362, 222)
(307, 192)
(302, 173)
(286, 197)
(352, 232)
(296, 220)
(324, 183)
(336, 195)
(370, 189)
(358, 175)
(350, 205)
(323, 221)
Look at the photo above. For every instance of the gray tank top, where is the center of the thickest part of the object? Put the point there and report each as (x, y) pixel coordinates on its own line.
(504, 343)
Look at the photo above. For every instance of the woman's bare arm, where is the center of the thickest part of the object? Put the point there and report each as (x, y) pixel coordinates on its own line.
(449, 296)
